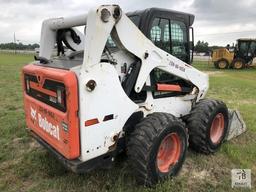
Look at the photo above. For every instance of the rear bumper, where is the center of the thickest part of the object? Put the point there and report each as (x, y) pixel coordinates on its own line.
(77, 166)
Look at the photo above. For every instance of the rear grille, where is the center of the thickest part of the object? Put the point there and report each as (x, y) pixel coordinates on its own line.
(52, 92)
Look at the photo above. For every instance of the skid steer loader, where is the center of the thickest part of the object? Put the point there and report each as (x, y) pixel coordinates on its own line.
(124, 85)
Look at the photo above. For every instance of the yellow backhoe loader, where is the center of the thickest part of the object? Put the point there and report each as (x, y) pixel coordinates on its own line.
(242, 56)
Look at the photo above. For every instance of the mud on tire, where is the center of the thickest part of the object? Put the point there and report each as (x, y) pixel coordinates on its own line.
(157, 148)
(207, 125)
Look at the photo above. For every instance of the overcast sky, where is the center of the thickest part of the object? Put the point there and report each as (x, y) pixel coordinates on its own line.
(217, 21)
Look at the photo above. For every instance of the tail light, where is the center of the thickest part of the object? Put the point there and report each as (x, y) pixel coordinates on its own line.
(27, 85)
(61, 96)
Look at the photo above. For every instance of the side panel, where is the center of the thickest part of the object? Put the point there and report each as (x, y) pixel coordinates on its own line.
(107, 109)
(58, 128)
(176, 106)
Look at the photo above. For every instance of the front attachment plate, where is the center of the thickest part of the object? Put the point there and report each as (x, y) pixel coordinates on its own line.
(236, 124)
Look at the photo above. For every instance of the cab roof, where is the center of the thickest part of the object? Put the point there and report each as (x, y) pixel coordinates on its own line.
(169, 11)
(246, 39)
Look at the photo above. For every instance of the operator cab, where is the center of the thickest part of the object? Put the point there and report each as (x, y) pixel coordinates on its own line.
(168, 29)
(246, 49)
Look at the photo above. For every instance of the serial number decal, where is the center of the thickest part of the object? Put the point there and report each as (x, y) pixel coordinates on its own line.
(176, 66)
(46, 112)
(44, 124)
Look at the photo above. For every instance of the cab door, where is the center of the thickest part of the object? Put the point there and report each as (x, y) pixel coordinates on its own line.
(170, 33)
(252, 50)
(179, 39)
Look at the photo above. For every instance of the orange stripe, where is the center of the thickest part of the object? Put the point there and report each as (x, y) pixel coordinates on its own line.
(91, 122)
(35, 86)
(168, 87)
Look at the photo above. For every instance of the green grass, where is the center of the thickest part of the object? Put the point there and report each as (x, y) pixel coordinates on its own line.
(25, 166)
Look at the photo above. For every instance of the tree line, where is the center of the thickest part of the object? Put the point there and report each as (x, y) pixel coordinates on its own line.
(203, 47)
(200, 47)
(18, 46)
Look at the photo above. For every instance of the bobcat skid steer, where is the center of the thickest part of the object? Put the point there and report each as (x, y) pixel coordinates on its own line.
(124, 85)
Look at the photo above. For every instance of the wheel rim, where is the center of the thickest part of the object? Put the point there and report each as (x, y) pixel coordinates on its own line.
(238, 64)
(222, 64)
(168, 152)
(217, 128)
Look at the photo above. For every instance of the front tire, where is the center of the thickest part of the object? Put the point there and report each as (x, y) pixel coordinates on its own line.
(157, 148)
(207, 125)
(222, 64)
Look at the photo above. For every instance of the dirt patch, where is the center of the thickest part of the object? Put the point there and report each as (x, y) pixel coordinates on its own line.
(248, 101)
(208, 170)
(20, 142)
(194, 172)
(211, 73)
(200, 174)
(243, 102)
(34, 145)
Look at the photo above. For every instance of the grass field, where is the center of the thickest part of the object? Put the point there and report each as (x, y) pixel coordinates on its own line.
(25, 166)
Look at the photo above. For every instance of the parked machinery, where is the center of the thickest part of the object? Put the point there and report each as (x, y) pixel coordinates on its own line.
(124, 85)
(243, 55)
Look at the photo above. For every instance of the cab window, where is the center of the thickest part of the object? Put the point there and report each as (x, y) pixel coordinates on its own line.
(179, 40)
(160, 34)
(252, 49)
(171, 36)
(243, 48)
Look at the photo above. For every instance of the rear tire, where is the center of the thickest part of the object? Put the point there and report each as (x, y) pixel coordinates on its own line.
(221, 64)
(157, 148)
(238, 63)
(207, 124)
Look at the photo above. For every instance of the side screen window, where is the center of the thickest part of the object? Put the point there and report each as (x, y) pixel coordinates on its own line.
(179, 40)
(159, 76)
(110, 43)
(160, 33)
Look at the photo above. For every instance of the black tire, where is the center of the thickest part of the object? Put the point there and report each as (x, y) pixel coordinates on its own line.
(235, 64)
(221, 64)
(144, 143)
(200, 122)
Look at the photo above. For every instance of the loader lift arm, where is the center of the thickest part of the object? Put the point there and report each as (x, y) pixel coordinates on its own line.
(109, 20)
